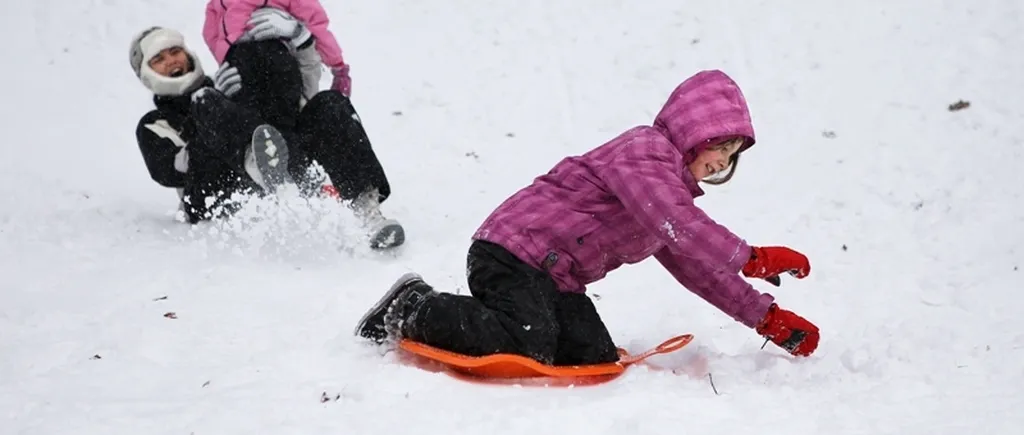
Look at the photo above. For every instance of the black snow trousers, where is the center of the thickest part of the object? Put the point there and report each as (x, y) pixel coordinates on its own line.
(514, 308)
(329, 133)
(326, 130)
(223, 132)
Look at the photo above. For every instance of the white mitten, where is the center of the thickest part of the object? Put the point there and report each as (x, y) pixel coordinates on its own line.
(270, 23)
(227, 80)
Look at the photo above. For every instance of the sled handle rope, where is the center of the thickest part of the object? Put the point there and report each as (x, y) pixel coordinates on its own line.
(671, 345)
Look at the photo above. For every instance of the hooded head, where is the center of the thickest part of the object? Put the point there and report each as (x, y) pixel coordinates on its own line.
(704, 110)
(151, 42)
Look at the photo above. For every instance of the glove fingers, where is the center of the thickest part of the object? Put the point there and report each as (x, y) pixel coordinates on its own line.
(266, 32)
(224, 71)
(269, 12)
(256, 20)
(229, 81)
(259, 26)
(261, 14)
(229, 84)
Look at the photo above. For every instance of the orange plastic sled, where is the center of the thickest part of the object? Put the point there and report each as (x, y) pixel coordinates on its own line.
(511, 368)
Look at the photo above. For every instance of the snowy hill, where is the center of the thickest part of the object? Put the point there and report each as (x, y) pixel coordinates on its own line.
(911, 215)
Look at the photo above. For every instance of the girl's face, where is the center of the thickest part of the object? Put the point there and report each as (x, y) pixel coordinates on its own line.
(170, 62)
(714, 159)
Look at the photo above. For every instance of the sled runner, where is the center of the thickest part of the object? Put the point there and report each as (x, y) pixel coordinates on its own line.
(506, 368)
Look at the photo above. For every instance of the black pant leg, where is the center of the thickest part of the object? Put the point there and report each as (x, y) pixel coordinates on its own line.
(271, 81)
(333, 135)
(223, 131)
(223, 128)
(583, 336)
(209, 185)
(511, 310)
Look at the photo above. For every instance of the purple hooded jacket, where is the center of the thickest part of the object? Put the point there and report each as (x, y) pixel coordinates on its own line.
(632, 198)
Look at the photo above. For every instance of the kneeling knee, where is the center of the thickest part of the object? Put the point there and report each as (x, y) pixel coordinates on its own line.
(540, 342)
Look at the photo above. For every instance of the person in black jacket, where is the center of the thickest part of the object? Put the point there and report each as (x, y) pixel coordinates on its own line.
(200, 141)
(195, 140)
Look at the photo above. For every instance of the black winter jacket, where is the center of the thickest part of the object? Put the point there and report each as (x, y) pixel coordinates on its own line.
(163, 134)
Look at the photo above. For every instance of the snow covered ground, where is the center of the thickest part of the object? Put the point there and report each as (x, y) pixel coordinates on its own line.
(911, 215)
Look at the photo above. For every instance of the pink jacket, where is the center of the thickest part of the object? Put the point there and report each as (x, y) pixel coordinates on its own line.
(633, 198)
(226, 22)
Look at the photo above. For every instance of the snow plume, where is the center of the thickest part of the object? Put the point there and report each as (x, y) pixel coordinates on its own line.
(284, 225)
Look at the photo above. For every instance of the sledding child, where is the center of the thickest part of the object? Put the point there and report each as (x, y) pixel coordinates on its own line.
(231, 21)
(632, 198)
(278, 48)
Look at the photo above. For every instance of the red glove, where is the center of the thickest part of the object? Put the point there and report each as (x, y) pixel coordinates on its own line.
(789, 331)
(768, 262)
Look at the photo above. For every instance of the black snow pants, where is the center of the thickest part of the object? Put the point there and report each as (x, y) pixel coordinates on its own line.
(223, 132)
(327, 130)
(514, 308)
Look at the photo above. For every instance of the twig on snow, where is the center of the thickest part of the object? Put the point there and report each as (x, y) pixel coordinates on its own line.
(712, 380)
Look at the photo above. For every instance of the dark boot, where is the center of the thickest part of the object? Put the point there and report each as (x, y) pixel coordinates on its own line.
(384, 233)
(386, 318)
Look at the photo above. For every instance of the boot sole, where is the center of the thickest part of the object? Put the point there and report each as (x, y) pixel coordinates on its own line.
(271, 154)
(385, 301)
(390, 236)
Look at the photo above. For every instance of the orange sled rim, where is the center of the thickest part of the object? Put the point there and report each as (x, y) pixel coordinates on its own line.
(508, 366)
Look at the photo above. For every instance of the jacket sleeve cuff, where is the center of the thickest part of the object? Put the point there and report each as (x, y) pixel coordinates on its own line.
(755, 311)
(743, 253)
(303, 40)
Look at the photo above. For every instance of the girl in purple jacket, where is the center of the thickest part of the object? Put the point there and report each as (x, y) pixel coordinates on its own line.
(621, 203)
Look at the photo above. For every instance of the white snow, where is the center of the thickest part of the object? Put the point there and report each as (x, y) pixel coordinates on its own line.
(669, 229)
(911, 215)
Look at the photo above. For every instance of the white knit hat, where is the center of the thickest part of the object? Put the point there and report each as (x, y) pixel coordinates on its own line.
(150, 42)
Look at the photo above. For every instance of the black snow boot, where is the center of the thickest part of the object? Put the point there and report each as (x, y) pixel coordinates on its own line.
(384, 233)
(387, 318)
